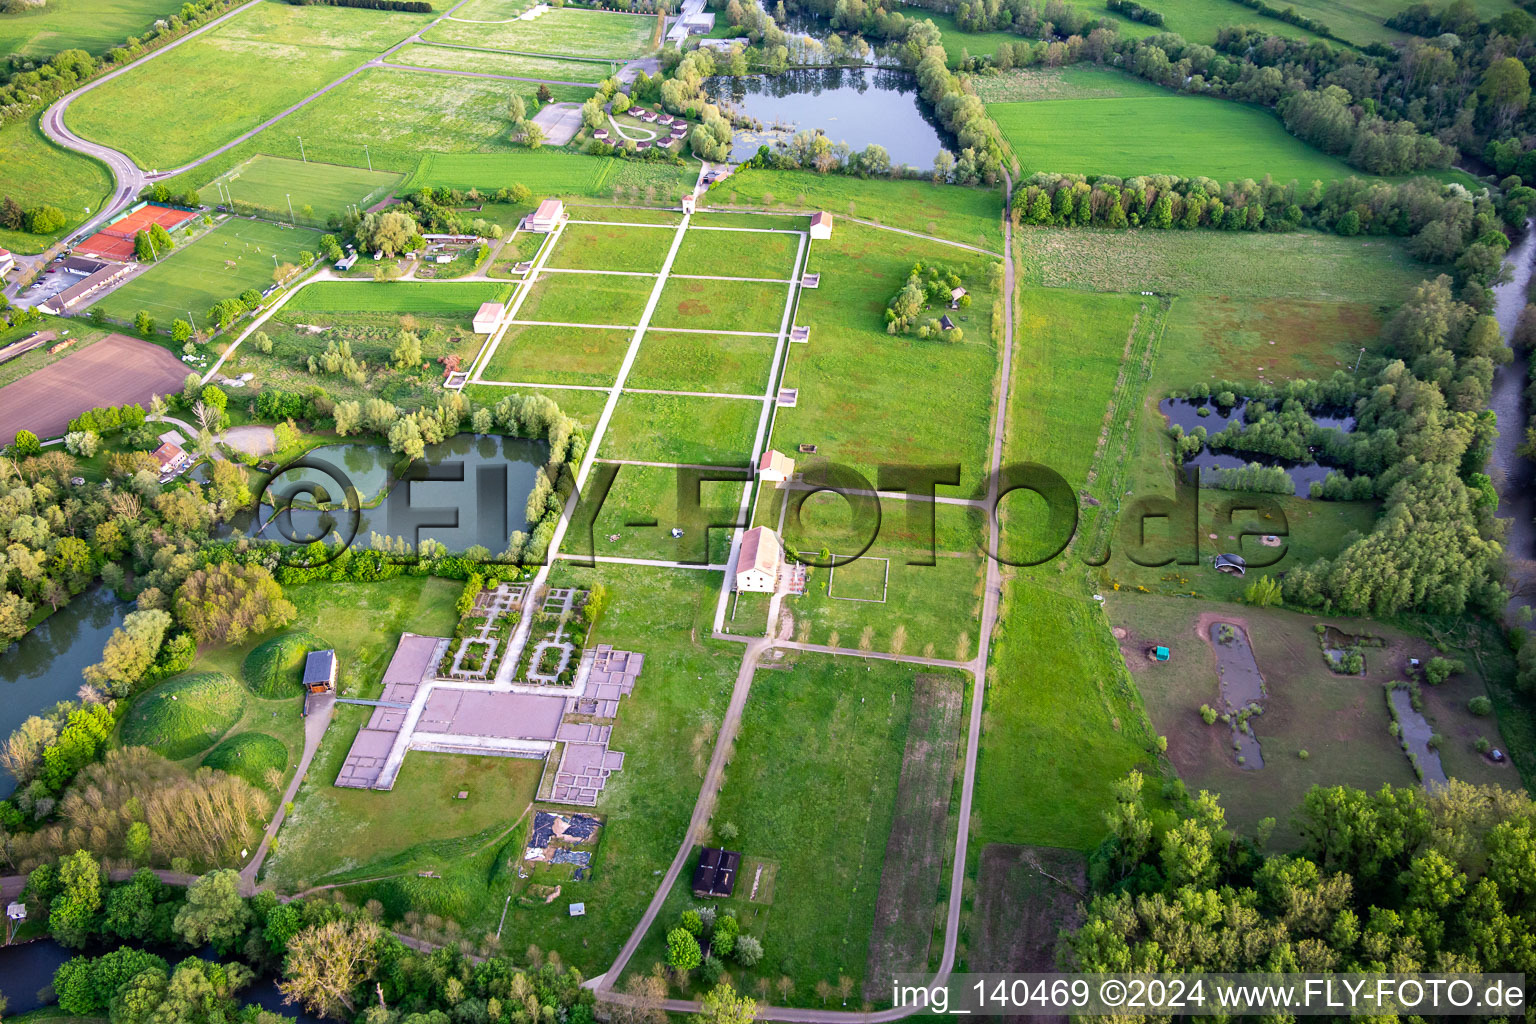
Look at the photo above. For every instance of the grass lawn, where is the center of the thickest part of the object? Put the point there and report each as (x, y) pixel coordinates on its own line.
(37, 33)
(597, 299)
(448, 298)
(930, 610)
(1127, 131)
(402, 116)
(728, 363)
(721, 305)
(35, 172)
(363, 621)
(675, 428)
(267, 184)
(612, 247)
(628, 215)
(1238, 265)
(452, 58)
(643, 495)
(1061, 712)
(332, 831)
(737, 253)
(186, 101)
(959, 213)
(864, 395)
(233, 257)
(564, 31)
(1340, 721)
(812, 790)
(558, 355)
(547, 170)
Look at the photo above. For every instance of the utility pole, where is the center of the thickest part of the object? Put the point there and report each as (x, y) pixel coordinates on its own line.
(1358, 358)
(301, 148)
(291, 217)
(369, 156)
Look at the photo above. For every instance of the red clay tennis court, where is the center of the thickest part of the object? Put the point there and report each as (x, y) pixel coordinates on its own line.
(115, 241)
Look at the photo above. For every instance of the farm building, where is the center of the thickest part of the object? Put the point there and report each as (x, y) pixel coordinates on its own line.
(488, 317)
(690, 203)
(7, 261)
(759, 561)
(716, 873)
(75, 294)
(547, 217)
(775, 467)
(821, 225)
(955, 295)
(347, 262)
(171, 460)
(946, 323)
(320, 671)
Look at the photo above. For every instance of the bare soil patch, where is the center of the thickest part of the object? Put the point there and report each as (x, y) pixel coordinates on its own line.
(1025, 897)
(914, 851)
(118, 370)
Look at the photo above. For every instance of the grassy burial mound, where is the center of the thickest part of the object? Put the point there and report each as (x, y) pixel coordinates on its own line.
(276, 668)
(251, 755)
(185, 715)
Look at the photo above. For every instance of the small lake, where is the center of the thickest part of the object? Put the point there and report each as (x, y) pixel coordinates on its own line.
(858, 106)
(1190, 414)
(470, 490)
(43, 667)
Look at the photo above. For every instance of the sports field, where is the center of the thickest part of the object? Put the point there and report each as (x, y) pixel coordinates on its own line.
(268, 184)
(612, 247)
(95, 26)
(453, 58)
(1127, 130)
(449, 297)
(564, 31)
(237, 255)
(34, 171)
(117, 370)
(185, 103)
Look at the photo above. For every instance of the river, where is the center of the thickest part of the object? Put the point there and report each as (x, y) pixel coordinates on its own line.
(1512, 474)
(43, 667)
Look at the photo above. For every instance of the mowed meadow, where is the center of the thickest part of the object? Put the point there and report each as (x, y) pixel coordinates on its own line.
(34, 171)
(185, 102)
(1098, 121)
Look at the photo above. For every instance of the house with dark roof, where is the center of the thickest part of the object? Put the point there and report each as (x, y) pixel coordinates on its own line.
(320, 672)
(716, 874)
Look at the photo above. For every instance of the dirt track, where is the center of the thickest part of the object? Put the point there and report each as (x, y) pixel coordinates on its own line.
(115, 371)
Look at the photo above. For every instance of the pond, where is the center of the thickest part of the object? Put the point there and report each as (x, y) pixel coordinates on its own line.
(27, 970)
(43, 667)
(1190, 414)
(470, 490)
(1242, 687)
(858, 106)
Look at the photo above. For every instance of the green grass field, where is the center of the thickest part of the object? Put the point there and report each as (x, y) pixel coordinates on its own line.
(545, 171)
(559, 355)
(449, 298)
(732, 364)
(868, 398)
(34, 171)
(315, 190)
(452, 58)
(677, 428)
(220, 265)
(1128, 131)
(598, 299)
(960, 214)
(275, 668)
(649, 494)
(185, 102)
(612, 247)
(737, 253)
(564, 31)
(185, 715)
(1236, 264)
(95, 26)
(721, 305)
(250, 755)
